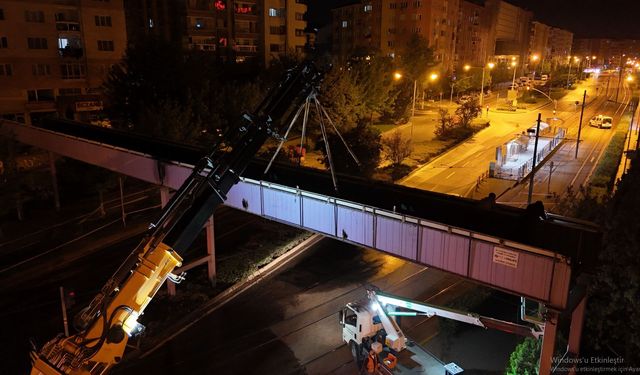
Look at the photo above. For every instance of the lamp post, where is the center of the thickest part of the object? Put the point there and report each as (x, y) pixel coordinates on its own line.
(569, 74)
(490, 66)
(535, 58)
(453, 83)
(555, 102)
(513, 65)
(397, 76)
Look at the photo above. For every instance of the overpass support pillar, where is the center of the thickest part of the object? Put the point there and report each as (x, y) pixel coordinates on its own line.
(575, 330)
(211, 251)
(548, 343)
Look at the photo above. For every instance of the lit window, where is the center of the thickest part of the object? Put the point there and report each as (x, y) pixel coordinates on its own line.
(150, 23)
(273, 12)
(345, 24)
(368, 8)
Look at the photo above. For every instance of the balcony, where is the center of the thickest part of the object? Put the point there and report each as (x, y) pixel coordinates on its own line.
(71, 52)
(246, 48)
(67, 26)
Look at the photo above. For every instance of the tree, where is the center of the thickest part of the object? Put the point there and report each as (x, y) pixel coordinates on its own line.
(374, 77)
(416, 58)
(445, 123)
(365, 143)
(467, 111)
(524, 359)
(397, 148)
(187, 98)
(613, 311)
(342, 98)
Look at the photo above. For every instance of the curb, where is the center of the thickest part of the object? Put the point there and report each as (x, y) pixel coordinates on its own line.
(235, 290)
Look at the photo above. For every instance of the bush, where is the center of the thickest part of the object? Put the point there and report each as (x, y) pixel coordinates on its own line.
(524, 359)
(608, 166)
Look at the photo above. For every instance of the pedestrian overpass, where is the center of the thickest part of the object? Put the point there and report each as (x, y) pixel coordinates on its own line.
(505, 248)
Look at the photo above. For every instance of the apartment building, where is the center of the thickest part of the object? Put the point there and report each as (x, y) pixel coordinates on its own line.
(539, 40)
(472, 35)
(55, 55)
(435, 20)
(284, 28)
(560, 42)
(356, 29)
(510, 31)
(164, 19)
(247, 30)
(608, 52)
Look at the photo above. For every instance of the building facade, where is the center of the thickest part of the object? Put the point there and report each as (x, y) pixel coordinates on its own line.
(356, 29)
(284, 28)
(560, 43)
(55, 55)
(539, 40)
(509, 32)
(472, 35)
(247, 30)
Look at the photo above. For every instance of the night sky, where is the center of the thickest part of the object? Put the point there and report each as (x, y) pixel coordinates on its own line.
(585, 18)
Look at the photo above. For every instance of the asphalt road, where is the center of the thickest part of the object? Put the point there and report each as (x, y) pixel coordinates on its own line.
(289, 323)
(457, 171)
(567, 169)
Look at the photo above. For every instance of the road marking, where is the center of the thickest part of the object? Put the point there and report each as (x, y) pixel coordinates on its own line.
(452, 173)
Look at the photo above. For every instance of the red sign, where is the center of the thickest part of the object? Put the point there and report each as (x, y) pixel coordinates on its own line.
(220, 5)
(244, 10)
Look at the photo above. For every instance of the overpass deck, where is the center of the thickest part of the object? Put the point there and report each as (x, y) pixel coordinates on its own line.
(504, 247)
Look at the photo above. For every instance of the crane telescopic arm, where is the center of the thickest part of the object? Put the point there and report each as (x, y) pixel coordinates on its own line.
(111, 318)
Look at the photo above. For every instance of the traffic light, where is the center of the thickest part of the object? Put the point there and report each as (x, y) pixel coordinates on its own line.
(70, 298)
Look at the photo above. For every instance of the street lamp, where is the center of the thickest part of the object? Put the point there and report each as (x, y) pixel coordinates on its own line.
(453, 83)
(535, 58)
(569, 74)
(555, 102)
(490, 66)
(513, 66)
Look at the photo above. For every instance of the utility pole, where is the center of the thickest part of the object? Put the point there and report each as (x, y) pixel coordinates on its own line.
(584, 99)
(535, 152)
(619, 80)
(549, 182)
(413, 106)
(626, 156)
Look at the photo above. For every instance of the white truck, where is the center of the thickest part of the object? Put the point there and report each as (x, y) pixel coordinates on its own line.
(379, 346)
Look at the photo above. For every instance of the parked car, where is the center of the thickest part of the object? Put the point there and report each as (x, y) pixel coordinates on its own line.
(601, 121)
(464, 99)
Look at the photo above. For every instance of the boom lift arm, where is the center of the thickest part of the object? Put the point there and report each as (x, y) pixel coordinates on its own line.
(111, 318)
(425, 309)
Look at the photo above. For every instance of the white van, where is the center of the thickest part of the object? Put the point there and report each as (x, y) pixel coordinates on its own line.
(601, 121)
(532, 130)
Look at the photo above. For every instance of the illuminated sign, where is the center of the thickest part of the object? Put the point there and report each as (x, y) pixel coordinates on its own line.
(89, 106)
(220, 5)
(244, 9)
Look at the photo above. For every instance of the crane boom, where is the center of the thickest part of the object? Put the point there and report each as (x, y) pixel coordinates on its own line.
(111, 317)
(429, 310)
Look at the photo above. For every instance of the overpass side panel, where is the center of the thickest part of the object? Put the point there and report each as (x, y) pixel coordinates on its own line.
(319, 215)
(355, 225)
(281, 205)
(396, 236)
(447, 251)
(510, 269)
